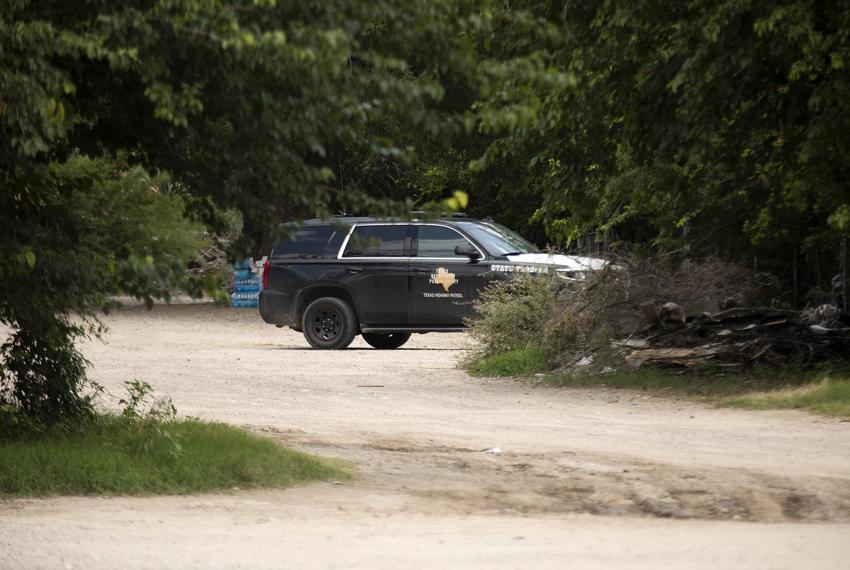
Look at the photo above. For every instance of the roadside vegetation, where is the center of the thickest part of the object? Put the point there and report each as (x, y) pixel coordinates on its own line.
(709, 128)
(571, 334)
(146, 450)
(824, 391)
(826, 394)
(517, 362)
(115, 456)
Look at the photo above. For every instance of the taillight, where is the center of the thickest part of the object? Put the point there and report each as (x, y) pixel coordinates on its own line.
(266, 270)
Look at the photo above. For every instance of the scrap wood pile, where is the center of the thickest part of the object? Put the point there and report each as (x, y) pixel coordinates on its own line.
(740, 337)
(724, 316)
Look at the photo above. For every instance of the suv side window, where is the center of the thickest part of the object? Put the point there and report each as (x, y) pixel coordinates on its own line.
(439, 241)
(377, 241)
(308, 243)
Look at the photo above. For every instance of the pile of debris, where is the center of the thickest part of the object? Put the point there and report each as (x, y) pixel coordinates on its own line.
(739, 337)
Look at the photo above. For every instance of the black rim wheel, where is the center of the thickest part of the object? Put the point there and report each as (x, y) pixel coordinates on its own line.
(327, 324)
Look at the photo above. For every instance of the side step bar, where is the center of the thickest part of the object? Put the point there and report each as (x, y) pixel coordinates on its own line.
(410, 329)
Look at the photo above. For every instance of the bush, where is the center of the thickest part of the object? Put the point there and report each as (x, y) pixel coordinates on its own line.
(104, 228)
(567, 321)
(42, 376)
(512, 314)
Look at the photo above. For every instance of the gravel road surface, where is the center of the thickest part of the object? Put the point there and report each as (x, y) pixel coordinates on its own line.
(451, 471)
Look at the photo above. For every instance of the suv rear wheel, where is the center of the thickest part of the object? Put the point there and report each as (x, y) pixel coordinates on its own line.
(329, 323)
(386, 341)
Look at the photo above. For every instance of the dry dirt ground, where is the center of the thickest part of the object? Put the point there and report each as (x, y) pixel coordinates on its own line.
(583, 478)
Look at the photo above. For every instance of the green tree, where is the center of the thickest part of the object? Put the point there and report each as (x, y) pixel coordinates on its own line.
(722, 126)
(241, 104)
(74, 233)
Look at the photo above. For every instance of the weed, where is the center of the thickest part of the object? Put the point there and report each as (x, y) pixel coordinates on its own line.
(148, 421)
(519, 362)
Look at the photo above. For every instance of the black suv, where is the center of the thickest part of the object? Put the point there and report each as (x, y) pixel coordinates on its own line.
(385, 279)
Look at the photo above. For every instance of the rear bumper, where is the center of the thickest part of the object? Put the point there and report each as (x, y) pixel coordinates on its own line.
(276, 308)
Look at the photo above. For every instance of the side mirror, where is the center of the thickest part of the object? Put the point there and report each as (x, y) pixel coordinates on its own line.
(467, 250)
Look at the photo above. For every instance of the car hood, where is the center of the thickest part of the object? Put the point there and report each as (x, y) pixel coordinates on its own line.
(568, 262)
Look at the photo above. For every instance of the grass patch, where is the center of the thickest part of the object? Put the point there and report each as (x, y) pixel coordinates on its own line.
(831, 397)
(689, 384)
(520, 362)
(821, 391)
(114, 455)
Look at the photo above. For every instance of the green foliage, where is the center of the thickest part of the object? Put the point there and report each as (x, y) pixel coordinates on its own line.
(140, 404)
(831, 396)
(719, 126)
(535, 322)
(105, 456)
(74, 234)
(42, 377)
(115, 117)
(512, 314)
(825, 391)
(520, 362)
(149, 420)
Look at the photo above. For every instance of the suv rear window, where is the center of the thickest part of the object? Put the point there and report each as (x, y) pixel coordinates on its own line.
(309, 243)
(376, 241)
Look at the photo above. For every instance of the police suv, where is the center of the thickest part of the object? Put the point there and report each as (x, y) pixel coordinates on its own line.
(385, 279)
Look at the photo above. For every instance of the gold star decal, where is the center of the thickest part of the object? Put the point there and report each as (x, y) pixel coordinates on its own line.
(443, 277)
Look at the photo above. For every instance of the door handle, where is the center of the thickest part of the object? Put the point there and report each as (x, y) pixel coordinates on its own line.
(420, 270)
(353, 269)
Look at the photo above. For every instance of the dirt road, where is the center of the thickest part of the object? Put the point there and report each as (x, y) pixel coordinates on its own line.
(451, 471)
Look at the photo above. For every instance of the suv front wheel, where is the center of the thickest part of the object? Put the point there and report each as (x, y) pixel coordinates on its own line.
(386, 341)
(329, 323)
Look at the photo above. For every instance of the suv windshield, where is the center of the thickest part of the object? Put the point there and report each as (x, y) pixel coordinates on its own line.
(496, 239)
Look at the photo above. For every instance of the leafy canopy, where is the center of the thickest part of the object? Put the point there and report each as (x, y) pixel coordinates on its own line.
(720, 126)
(116, 118)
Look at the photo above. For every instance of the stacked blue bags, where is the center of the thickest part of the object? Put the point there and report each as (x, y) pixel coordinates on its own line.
(246, 286)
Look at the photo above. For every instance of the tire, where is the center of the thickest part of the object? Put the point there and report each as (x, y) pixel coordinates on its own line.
(386, 341)
(329, 323)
